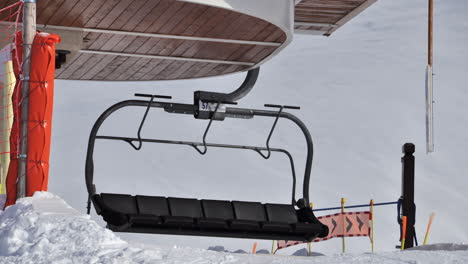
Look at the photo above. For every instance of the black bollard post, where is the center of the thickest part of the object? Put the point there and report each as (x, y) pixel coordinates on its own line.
(409, 208)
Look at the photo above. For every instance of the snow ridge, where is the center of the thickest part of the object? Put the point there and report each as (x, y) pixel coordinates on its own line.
(27, 233)
(44, 229)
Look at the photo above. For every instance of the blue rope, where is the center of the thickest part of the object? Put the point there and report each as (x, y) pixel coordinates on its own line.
(353, 206)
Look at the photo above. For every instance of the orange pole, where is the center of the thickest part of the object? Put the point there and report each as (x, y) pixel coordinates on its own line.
(431, 218)
(254, 249)
(372, 227)
(403, 238)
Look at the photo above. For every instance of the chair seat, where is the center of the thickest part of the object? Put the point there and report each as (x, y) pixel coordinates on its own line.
(277, 227)
(183, 221)
(213, 223)
(307, 228)
(244, 225)
(144, 220)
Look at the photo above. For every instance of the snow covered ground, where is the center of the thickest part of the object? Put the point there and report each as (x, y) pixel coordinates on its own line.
(44, 229)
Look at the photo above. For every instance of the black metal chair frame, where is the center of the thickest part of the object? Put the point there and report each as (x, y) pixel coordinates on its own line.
(190, 109)
(269, 221)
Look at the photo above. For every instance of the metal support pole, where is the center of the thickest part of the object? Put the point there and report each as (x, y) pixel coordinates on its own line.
(409, 208)
(430, 84)
(29, 31)
(430, 31)
(343, 240)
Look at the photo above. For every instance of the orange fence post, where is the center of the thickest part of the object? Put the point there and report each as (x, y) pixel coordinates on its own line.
(254, 249)
(403, 238)
(431, 218)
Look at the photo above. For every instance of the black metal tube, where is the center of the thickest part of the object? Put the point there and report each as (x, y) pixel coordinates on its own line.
(409, 207)
(245, 87)
(301, 125)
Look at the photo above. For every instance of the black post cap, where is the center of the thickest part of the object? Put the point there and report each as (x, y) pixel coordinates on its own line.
(409, 148)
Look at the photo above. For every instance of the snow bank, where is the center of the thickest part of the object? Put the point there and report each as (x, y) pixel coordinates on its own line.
(442, 247)
(44, 229)
(2, 201)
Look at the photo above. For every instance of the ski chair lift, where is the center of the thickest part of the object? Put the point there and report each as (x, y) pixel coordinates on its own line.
(182, 216)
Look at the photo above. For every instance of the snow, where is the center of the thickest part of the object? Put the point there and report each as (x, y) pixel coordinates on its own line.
(2, 201)
(45, 229)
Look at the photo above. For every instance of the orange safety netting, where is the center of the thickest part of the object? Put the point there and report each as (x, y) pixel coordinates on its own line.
(40, 115)
(9, 21)
(348, 224)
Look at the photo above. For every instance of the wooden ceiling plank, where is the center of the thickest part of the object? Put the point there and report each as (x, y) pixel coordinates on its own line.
(59, 15)
(58, 72)
(103, 11)
(248, 29)
(87, 14)
(217, 51)
(164, 19)
(167, 46)
(202, 25)
(171, 69)
(203, 72)
(133, 69)
(115, 43)
(196, 25)
(249, 34)
(130, 12)
(110, 68)
(141, 20)
(156, 70)
(48, 11)
(164, 16)
(233, 69)
(251, 53)
(218, 70)
(84, 68)
(73, 14)
(186, 72)
(177, 19)
(215, 26)
(90, 75)
(78, 63)
(352, 14)
(114, 14)
(239, 54)
(142, 71)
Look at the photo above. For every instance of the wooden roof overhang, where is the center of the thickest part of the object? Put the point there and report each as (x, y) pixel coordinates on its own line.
(143, 40)
(135, 40)
(323, 17)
